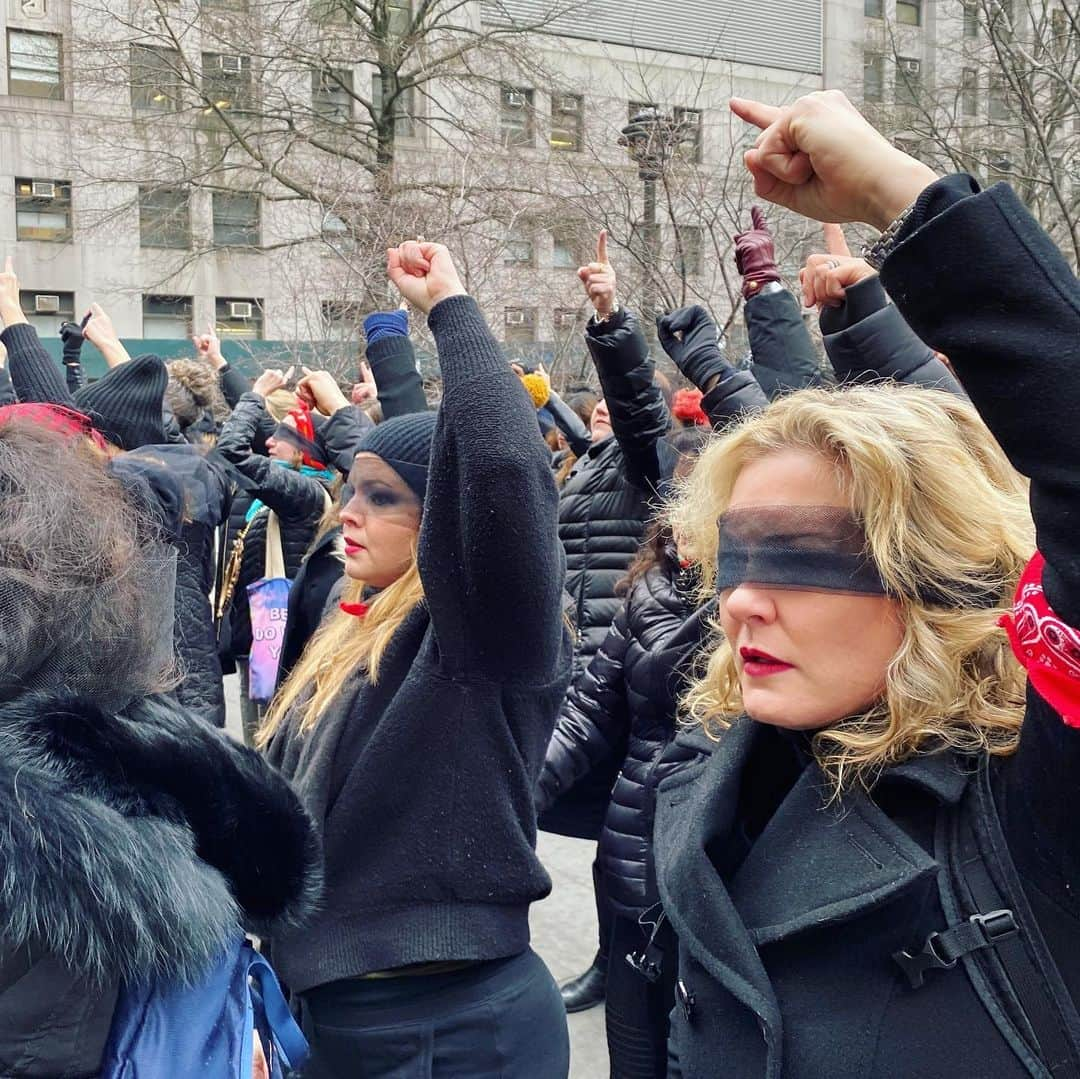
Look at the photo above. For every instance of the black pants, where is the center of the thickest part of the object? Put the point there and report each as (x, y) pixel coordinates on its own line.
(604, 917)
(502, 1018)
(636, 1010)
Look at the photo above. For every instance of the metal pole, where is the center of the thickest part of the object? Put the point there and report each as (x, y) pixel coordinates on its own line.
(652, 259)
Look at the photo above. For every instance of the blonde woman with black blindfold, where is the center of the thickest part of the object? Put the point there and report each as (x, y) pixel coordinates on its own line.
(874, 872)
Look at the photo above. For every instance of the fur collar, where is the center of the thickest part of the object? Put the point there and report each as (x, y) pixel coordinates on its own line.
(136, 845)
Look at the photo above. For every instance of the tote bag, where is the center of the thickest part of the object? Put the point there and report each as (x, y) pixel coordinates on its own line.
(268, 600)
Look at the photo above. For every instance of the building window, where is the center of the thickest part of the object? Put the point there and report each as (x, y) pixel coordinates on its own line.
(164, 217)
(239, 318)
(689, 259)
(331, 93)
(236, 220)
(399, 18)
(567, 245)
(516, 116)
(969, 92)
(567, 121)
(519, 248)
(998, 98)
(43, 210)
(34, 65)
(401, 108)
(226, 82)
(873, 76)
(156, 81)
(166, 318)
(908, 80)
(568, 321)
(342, 320)
(520, 324)
(634, 107)
(971, 18)
(46, 311)
(874, 9)
(688, 131)
(909, 12)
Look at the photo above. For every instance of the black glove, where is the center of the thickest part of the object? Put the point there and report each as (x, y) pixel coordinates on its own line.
(698, 355)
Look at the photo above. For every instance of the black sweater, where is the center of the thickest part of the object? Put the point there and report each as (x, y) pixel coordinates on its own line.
(422, 784)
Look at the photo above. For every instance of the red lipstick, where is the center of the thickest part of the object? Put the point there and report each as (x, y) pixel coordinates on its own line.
(760, 664)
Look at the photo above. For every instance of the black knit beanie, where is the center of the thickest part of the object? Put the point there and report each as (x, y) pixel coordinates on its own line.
(404, 443)
(126, 403)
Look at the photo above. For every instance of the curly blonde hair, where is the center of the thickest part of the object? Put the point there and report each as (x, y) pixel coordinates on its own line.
(941, 507)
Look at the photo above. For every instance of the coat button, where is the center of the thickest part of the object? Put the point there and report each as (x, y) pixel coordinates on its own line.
(686, 999)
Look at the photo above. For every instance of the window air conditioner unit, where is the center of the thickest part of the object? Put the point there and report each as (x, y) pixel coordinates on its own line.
(515, 99)
(568, 103)
(45, 304)
(230, 65)
(43, 189)
(564, 320)
(240, 310)
(911, 67)
(515, 318)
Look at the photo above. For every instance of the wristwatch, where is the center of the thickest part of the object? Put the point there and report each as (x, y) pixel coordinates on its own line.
(615, 309)
(877, 252)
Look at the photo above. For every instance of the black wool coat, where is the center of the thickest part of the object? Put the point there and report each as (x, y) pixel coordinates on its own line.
(136, 845)
(788, 909)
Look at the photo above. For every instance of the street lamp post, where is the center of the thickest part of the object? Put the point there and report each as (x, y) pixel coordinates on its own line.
(647, 138)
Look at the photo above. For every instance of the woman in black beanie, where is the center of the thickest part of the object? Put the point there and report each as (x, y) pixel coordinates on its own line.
(414, 729)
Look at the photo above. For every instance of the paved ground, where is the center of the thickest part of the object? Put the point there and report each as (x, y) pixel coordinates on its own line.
(563, 926)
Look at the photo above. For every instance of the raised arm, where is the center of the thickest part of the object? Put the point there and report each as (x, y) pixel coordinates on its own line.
(490, 560)
(287, 493)
(391, 361)
(232, 383)
(33, 374)
(691, 339)
(866, 337)
(639, 417)
(784, 355)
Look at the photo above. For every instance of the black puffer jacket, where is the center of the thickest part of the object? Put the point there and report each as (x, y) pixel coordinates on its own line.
(604, 507)
(135, 846)
(298, 500)
(629, 694)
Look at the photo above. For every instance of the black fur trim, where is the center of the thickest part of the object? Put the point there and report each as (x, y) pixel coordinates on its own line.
(134, 845)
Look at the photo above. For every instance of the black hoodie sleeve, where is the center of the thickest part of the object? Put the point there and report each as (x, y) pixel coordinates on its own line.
(34, 375)
(7, 391)
(233, 385)
(490, 557)
(393, 363)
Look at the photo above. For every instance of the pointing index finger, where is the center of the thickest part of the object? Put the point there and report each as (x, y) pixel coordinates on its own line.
(601, 247)
(754, 112)
(835, 244)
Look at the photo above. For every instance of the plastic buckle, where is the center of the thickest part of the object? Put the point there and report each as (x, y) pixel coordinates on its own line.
(997, 925)
(646, 963)
(915, 966)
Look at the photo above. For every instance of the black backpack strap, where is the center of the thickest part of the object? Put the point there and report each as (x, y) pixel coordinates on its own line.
(1048, 1016)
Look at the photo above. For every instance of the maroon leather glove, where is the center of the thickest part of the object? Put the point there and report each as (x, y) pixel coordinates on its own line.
(754, 255)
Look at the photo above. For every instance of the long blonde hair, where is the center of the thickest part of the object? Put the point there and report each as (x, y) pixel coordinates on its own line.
(342, 646)
(941, 506)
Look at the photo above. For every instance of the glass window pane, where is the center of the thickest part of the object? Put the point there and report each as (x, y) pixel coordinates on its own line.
(909, 12)
(908, 80)
(688, 130)
(156, 82)
(689, 261)
(969, 93)
(873, 9)
(226, 82)
(34, 64)
(164, 217)
(519, 324)
(971, 18)
(873, 76)
(238, 318)
(567, 121)
(236, 220)
(403, 112)
(331, 93)
(516, 116)
(42, 210)
(46, 311)
(167, 317)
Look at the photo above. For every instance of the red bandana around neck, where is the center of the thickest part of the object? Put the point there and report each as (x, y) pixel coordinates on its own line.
(1047, 647)
(357, 610)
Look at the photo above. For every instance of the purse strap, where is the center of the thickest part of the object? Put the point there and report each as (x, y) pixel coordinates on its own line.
(275, 553)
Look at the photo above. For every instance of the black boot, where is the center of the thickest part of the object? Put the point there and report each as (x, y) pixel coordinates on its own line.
(586, 990)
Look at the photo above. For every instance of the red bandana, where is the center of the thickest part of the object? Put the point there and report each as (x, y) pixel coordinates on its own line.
(1048, 648)
(55, 417)
(357, 610)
